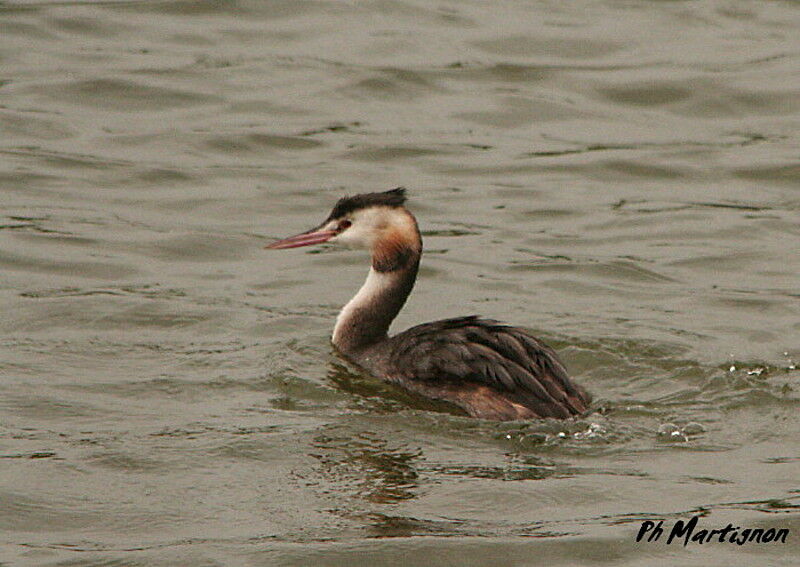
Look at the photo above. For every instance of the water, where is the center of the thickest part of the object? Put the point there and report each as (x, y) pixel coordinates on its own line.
(620, 177)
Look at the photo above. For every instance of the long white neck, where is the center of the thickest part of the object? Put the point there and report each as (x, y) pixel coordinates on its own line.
(396, 249)
(365, 298)
(366, 318)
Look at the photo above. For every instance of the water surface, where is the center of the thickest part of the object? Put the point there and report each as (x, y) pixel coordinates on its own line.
(619, 177)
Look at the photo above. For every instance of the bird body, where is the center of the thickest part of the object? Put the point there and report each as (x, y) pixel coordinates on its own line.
(488, 369)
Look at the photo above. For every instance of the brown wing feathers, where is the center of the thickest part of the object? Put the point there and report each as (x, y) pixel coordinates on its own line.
(475, 351)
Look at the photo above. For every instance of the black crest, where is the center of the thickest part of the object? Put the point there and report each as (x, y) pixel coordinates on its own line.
(346, 205)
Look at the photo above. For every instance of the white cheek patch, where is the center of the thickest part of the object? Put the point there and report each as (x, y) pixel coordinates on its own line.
(369, 224)
(357, 236)
(362, 231)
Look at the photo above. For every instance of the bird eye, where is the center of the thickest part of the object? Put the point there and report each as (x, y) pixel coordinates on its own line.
(344, 225)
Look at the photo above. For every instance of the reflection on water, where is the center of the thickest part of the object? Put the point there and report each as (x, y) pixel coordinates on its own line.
(381, 473)
(379, 396)
(621, 178)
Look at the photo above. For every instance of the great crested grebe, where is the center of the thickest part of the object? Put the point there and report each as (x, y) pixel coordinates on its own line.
(490, 370)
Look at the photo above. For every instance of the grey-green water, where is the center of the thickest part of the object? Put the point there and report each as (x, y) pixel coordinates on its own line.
(621, 177)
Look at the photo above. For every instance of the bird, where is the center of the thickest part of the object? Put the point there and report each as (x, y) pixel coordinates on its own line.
(488, 369)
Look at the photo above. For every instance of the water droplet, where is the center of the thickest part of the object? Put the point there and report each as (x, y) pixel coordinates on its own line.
(666, 429)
